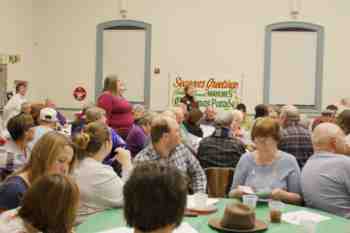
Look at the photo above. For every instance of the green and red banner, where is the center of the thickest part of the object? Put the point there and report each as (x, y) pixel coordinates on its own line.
(221, 93)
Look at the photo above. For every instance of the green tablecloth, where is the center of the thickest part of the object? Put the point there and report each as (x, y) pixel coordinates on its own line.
(114, 218)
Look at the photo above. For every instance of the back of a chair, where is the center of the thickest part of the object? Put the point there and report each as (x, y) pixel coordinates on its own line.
(219, 181)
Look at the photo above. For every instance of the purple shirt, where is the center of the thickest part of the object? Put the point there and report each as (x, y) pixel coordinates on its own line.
(117, 141)
(136, 140)
(61, 119)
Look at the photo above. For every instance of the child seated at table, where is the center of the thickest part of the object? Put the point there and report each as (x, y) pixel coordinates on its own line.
(159, 209)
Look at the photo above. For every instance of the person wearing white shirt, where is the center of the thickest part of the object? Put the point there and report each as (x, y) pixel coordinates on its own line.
(13, 106)
(100, 187)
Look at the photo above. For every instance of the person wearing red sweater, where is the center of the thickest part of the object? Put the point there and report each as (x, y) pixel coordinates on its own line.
(118, 109)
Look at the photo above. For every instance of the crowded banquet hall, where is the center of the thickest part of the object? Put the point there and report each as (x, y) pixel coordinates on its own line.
(135, 116)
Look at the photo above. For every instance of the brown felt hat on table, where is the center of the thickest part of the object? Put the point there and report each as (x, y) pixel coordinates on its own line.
(238, 218)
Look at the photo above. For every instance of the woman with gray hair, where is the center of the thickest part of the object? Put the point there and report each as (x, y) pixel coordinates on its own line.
(138, 111)
(230, 119)
(224, 118)
(237, 130)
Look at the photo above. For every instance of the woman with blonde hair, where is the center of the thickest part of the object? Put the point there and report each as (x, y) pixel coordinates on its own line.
(48, 206)
(100, 187)
(52, 154)
(118, 109)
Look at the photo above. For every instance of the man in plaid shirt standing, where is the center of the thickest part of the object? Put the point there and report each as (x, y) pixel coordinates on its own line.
(166, 148)
(295, 140)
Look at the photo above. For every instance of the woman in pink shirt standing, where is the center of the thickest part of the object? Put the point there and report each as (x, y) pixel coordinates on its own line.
(118, 109)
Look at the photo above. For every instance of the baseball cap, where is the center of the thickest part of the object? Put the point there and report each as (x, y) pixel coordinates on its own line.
(48, 114)
(327, 112)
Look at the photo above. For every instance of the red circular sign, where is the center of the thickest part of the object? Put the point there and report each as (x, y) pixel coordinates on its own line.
(79, 93)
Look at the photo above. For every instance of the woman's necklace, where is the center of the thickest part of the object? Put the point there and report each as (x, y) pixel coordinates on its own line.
(266, 159)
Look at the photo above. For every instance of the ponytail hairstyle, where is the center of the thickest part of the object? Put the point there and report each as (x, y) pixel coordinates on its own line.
(91, 139)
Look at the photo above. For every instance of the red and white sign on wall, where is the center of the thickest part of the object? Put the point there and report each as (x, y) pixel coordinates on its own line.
(79, 93)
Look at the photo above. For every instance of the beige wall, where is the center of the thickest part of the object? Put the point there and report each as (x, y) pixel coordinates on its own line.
(16, 37)
(196, 37)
